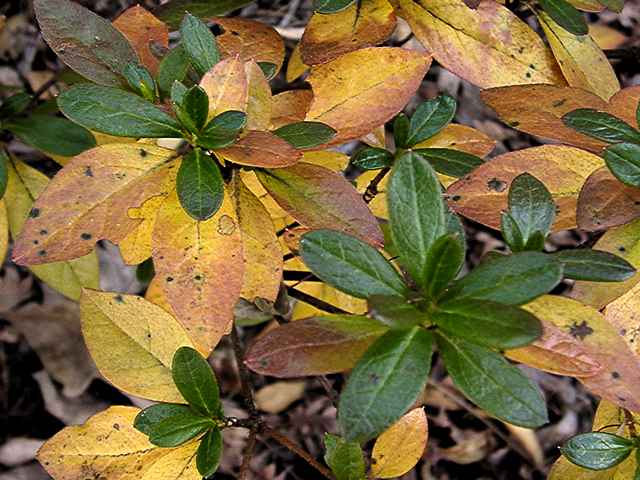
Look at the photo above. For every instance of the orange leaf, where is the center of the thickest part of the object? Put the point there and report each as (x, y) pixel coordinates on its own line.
(606, 38)
(290, 107)
(461, 137)
(624, 104)
(261, 149)
(226, 86)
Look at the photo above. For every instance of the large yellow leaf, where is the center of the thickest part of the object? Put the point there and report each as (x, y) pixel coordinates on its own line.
(488, 46)
(132, 342)
(68, 277)
(363, 24)
(398, 449)
(136, 246)
(583, 63)
(226, 86)
(482, 195)
(259, 101)
(108, 447)
(200, 266)
(361, 90)
(89, 199)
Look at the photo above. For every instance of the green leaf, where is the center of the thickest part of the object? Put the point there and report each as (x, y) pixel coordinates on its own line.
(349, 264)
(396, 312)
(269, 69)
(173, 67)
(430, 117)
(372, 158)
(491, 382)
(50, 134)
(636, 475)
(344, 458)
(488, 323)
(148, 418)
(453, 163)
(444, 261)
(401, 130)
(306, 134)
(172, 12)
(209, 453)
(616, 6)
(15, 104)
(199, 43)
(192, 107)
(86, 42)
(141, 81)
(178, 91)
(601, 125)
(594, 265)
(565, 15)
(597, 450)
(4, 172)
(623, 160)
(331, 6)
(416, 212)
(510, 279)
(385, 382)
(200, 185)
(179, 429)
(116, 112)
(222, 130)
(195, 381)
(511, 233)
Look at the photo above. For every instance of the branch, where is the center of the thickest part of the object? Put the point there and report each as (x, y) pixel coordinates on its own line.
(245, 375)
(372, 189)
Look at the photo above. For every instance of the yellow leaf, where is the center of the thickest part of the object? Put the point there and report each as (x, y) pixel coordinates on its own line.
(132, 342)
(4, 231)
(488, 46)
(136, 246)
(156, 295)
(328, 294)
(296, 67)
(226, 86)
(259, 101)
(278, 215)
(463, 138)
(606, 38)
(362, 90)
(583, 63)
(107, 446)
(624, 314)
(200, 266)
(398, 449)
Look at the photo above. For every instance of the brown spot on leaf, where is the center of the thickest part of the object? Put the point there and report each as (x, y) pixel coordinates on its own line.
(497, 185)
(581, 330)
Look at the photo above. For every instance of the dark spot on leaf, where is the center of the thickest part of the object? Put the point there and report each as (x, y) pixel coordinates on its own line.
(43, 232)
(559, 103)
(116, 426)
(86, 236)
(36, 242)
(622, 249)
(42, 253)
(34, 213)
(169, 279)
(456, 198)
(119, 298)
(581, 330)
(615, 375)
(88, 172)
(528, 74)
(143, 152)
(514, 124)
(497, 185)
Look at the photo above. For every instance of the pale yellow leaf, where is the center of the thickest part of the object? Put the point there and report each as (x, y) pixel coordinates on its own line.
(136, 246)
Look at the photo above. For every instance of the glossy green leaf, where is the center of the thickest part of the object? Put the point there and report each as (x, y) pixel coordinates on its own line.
(488, 323)
(601, 125)
(148, 418)
(269, 69)
(349, 264)
(178, 91)
(510, 279)
(173, 67)
(192, 108)
(195, 381)
(396, 312)
(416, 212)
(172, 12)
(594, 265)
(597, 450)
(429, 118)
(565, 15)
(116, 112)
(623, 159)
(15, 104)
(222, 130)
(306, 134)
(200, 185)
(331, 6)
(491, 382)
(447, 161)
(401, 130)
(385, 382)
(4, 172)
(344, 458)
(179, 429)
(372, 158)
(199, 43)
(50, 134)
(209, 453)
(141, 81)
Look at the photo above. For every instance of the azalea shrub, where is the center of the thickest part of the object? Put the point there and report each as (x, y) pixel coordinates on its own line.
(330, 219)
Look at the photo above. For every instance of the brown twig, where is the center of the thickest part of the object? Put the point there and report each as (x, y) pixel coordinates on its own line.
(372, 189)
(631, 423)
(248, 453)
(244, 374)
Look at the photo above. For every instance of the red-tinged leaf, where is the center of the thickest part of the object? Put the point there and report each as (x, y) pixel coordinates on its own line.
(482, 195)
(624, 104)
(319, 198)
(89, 199)
(606, 202)
(290, 107)
(313, 346)
(142, 30)
(261, 149)
(200, 267)
(226, 86)
(348, 91)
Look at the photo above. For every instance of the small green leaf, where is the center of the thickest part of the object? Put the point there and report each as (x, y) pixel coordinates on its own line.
(430, 117)
(385, 382)
(172, 12)
(372, 158)
(447, 161)
(396, 312)
(222, 130)
(616, 6)
(331, 6)
(486, 323)
(15, 104)
(4, 172)
(565, 15)
(623, 160)
(178, 91)
(195, 381)
(344, 458)
(199, 43)
(510, 279)
(597, 450)
(192, 107)
(269, 69)
(179, 429)
(141, 81)
(594, 265)
(349, 264)
(444, 261)
(601, 125)
(209, 453)
(491, 382)
(200, 185)
(511, 232)
(116, 112)
(148, 418)
(416, 211)
(173, 67)
(306, 134)
(401, 130)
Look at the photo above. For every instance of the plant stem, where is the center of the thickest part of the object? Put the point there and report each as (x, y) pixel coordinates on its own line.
(315, 302)
(372, 189)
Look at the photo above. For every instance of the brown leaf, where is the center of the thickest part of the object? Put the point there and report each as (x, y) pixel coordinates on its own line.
(290, 107)
(261, 149)
(276, 397)
(226, 86)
